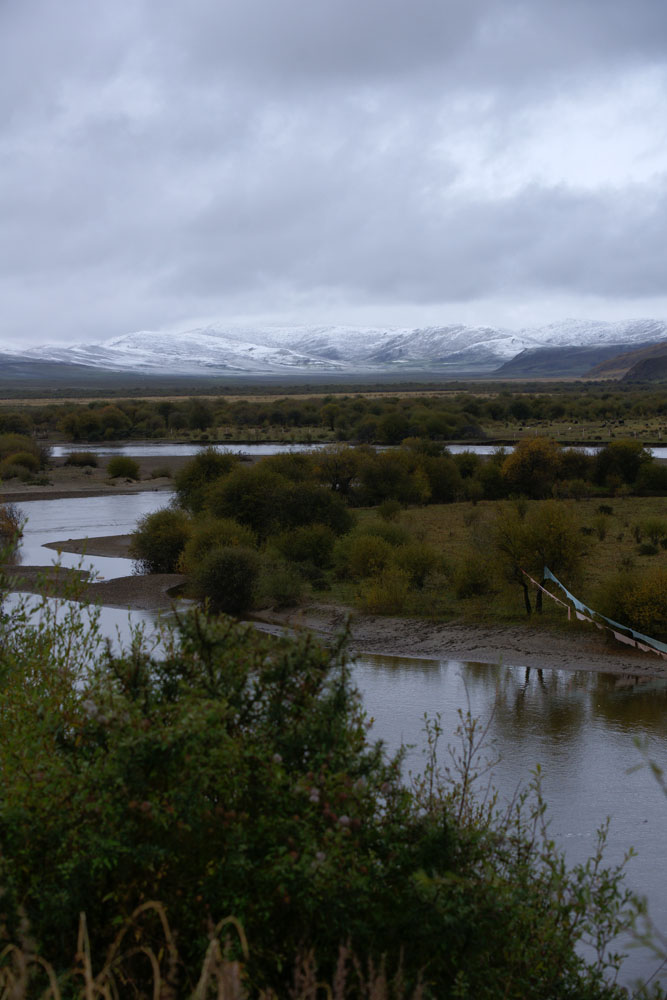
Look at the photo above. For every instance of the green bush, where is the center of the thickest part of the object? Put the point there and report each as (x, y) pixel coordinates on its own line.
(270, 503)
(26, 459)
(621, 461)
(280, 585)
(654, 528)
(637, 599)
(9, 470)
(123, 465)
(193, 481)
(418, 560)
(390, 532)
(10, 444)
(471, 576)
(357, 556)
(209, 533)
(311, 543)
(390, 510)
(81, 459)
(386, 594)
(159, 540)
(227, 579)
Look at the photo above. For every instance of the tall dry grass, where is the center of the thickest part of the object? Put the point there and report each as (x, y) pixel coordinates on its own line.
(135, 968)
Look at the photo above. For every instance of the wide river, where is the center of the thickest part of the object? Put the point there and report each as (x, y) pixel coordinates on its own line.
(155, 449)
(580, 727)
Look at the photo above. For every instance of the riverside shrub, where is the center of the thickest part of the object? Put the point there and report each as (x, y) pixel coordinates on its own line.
(637, 599)
(234, 775)
(193, 481)
(123, 465)
(159, 540)
(208, 533)
(226, 578)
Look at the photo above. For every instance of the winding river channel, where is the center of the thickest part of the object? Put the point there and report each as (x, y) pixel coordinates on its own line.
(580, 727)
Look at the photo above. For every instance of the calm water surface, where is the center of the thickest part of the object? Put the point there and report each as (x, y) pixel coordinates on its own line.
(579, 727)
(155, 449)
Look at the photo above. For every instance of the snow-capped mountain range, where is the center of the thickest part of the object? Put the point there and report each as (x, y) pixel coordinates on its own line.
(339, 349)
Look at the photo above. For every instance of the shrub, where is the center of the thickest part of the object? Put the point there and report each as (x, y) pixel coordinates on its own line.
(621, 461)
(390, 510)
(10, 444)
(386, 594)
(280, 585)
(8, 470)
(269, 502)
(159, 540)
(81, 459)
(193, 481)
(209, 533)
(471, 577)
(418, 560)
(26, 459)
(12, 522)
(600, 526)
(161, 472)
(311, 543)
(655, 529)
(227, 578)
(652, 479)
(123, 465)
(390, 532)
(357, 556)
(533, 467)
(637, 599)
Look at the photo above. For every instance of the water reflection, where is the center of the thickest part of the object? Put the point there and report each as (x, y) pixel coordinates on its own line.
(152, 449)
(580, 727)
(84, 517)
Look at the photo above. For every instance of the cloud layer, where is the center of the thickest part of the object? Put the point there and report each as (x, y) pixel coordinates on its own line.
(482, 161)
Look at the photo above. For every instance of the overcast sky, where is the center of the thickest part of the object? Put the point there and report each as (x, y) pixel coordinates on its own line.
(167, 164)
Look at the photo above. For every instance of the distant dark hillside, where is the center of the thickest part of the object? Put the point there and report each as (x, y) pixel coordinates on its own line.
(648, 356)
(649, 370)
(30, 378)
(558, 361)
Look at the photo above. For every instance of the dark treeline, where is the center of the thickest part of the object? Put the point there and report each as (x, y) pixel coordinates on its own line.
(373, 419)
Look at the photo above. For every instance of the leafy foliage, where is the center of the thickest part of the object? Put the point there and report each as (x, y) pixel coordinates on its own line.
(234, 775)
(123, 465)
(226, 578)
(159, 540)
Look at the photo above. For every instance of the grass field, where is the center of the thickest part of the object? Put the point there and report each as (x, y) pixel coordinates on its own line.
(463, 531)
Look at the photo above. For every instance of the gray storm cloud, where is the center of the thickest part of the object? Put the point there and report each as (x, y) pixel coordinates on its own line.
(160, 162)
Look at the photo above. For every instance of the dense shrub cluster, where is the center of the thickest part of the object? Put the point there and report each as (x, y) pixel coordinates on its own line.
(296, 511)
(20, 456)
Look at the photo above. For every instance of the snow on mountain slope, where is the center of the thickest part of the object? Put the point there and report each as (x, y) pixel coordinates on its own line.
(339, 349)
